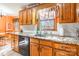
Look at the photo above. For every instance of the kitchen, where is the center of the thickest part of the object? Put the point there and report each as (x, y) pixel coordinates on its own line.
(39, 29)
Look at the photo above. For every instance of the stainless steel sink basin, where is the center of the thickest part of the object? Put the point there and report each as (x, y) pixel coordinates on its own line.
(40, 35)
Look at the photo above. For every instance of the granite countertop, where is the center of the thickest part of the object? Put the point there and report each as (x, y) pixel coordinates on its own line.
(68, 40)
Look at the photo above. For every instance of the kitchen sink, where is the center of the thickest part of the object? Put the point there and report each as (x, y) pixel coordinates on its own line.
(40, 35)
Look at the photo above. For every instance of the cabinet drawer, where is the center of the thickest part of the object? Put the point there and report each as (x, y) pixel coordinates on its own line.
(65, 47)
(63, 53)
(45, 42)
(34, 40)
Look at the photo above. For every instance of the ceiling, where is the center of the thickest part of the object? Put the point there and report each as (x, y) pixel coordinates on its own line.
(11, 8)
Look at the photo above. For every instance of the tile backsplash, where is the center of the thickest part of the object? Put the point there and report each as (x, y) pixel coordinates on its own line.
(63, 29)
(30, 29)
(68, 29)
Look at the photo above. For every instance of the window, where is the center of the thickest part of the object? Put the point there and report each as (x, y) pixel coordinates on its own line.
(46, 18)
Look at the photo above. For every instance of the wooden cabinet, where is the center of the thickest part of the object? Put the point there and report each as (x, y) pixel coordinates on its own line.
(46, 42)
(63, 53)
(25, 16)
(34, 40)
(10, 24)
(41, 47)
(34, 15)
(45, 51)
(66, 47)
(78, 50)
(77, 12)
(14, 42)
(61, 49)
(40, 50)
(67, 13)
(21, 17)
(37, 48)
(34, 49)
(29, 20)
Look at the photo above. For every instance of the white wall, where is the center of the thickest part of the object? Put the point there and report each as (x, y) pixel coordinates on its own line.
(11, 8)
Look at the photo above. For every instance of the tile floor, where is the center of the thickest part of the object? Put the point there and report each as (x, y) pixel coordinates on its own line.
(6, 50)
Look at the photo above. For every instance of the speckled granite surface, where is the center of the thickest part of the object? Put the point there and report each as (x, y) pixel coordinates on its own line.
(69, 40)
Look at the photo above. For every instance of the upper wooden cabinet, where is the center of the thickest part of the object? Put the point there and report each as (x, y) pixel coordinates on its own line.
(77, 12)
(34, 15)
(20, 18)
(29, 15)
(67, 13)
(24, 17)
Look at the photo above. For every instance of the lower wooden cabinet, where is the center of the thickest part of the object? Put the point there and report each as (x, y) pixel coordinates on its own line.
(34, 49)
(45, 51)
(78, 53)
(63, 53)
(14, 42)
(40, 47)
(40, 50)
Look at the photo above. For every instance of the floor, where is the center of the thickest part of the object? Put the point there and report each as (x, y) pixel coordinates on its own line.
(6, 50)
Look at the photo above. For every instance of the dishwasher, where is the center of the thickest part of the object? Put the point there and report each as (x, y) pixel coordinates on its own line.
(24, 45)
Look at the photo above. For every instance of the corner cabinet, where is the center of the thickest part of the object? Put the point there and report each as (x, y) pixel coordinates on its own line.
(67, 13)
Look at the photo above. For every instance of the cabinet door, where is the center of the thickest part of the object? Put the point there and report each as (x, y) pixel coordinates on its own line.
(67, 13)
(45, 51)
(63, 53)
(12, 40)
(34, 11)
(73, 12)
(20, 18)
(34, 49)
(29, 20)
(16, 48)
(15, 43)
(25, 15)
(77, 13)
